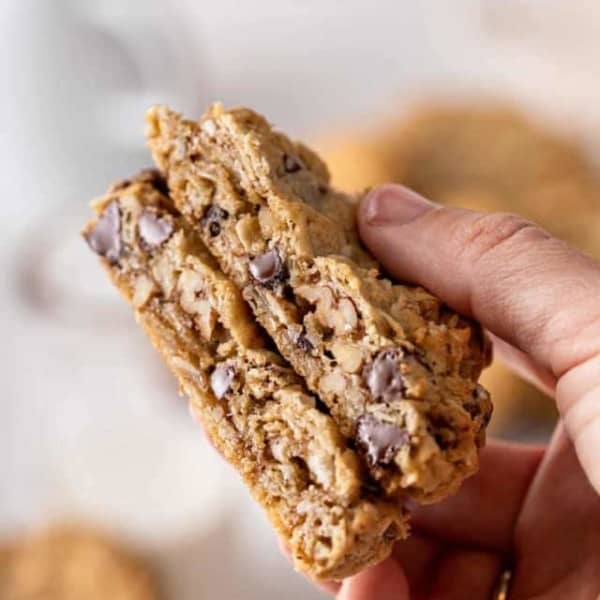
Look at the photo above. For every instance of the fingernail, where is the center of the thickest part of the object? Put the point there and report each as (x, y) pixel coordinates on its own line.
(394, 204)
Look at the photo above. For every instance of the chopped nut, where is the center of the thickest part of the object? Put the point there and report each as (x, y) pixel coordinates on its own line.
(248, 231)
(288, 473)
(144, 288)
(278, 450)
(348, 311)
(339, 316)
(209, 127)
(333, 382)
(283, 311)
(349, 356)
(163, 272)
(193, 300)
(316, 294)
(322, 298)
(179, 149)
(265, 219)
(320, 465)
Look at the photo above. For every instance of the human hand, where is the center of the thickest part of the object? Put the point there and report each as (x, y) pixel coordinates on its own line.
(536, 509)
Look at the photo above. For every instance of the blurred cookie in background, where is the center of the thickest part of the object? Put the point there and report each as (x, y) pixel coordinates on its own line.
(484, 157)
(72, 563)
(356, 160)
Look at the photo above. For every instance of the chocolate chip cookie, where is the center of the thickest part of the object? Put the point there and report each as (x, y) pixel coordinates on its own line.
(298, 465)
(396, 369)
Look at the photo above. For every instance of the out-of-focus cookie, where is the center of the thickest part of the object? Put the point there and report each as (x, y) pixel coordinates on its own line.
(457, 155)
(355, 161)
(73, 563)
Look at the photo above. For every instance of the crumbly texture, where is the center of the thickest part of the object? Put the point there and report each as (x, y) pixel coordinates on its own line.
(71, 563)
(485, 157)
(254, 406)
(396, 368)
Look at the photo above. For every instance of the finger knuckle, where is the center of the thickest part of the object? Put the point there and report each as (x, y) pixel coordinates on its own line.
(493, 234)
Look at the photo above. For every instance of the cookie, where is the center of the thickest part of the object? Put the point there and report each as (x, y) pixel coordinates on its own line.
(492, 158)
(396, 369)
(355, 160)
(71, 562)
(255, 408)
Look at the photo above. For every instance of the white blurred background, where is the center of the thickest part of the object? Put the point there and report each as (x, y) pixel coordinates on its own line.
(91, 424)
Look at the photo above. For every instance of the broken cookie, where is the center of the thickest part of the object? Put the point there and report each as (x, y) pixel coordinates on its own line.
(255, 408)
(396, 368)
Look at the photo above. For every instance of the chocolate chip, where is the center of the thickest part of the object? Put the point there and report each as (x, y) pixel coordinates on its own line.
(154, 230)
(291, 164)
(155, 178)
(383, 376)
(221, 379)
(444, 442)
(213, 217)
(480, 405)
(105, 237)
(481, 394)
(379, 440)
(267, 268)
(391, 533)
(323, 189)
(372, 488)
(473, 409)
(301, 341)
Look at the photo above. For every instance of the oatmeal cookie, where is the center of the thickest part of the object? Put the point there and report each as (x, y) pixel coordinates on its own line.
(255, 408)
(396, 368)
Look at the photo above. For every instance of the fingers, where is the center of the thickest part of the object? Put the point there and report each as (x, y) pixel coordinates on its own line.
(419, 555)
(578, 399)
(557, 537)
(464, 574)
(384, 581)
(526, 287)
(523, 365)
(485, 510)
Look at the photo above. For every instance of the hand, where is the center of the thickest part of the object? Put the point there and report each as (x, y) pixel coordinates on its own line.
(537, 510)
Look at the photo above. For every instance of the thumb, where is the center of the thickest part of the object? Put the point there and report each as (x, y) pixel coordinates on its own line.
(528, 288)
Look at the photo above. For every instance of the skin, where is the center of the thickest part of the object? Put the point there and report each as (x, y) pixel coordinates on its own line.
(536, 510)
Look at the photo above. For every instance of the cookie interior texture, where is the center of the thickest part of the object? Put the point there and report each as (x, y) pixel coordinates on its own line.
(255, 408)
(488, 157)
(395, 367)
